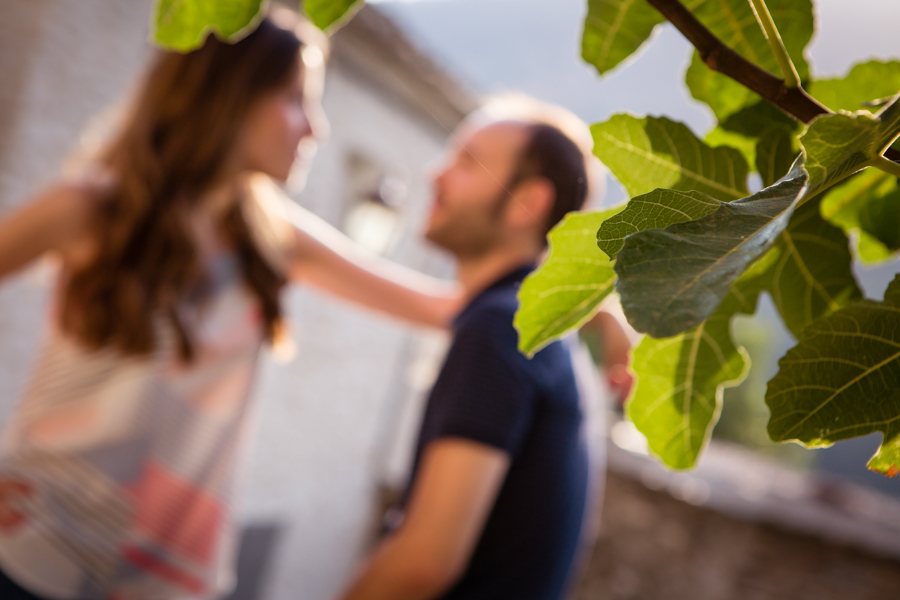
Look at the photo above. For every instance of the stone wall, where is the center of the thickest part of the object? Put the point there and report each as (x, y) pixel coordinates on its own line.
(654, 547)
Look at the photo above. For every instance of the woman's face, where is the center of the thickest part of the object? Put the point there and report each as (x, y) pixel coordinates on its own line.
(283, 127)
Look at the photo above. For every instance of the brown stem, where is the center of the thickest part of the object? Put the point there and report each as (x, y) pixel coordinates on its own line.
(719, 57)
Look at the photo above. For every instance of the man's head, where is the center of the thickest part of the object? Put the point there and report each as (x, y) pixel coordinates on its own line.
(515, 169)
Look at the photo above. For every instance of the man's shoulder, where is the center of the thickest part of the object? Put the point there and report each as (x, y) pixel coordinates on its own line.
(496, 308)
(489, 322)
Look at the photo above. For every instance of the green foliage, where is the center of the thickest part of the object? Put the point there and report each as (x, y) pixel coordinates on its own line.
(744, 412)
(807, 272)
(719, 136)
(743, 129)
(733, 22)
(682, 378)
(839, 145)
(567, 289)
(679, 393)
(654, 210)
(645, 154)
(692, 248)
(843, 380)
(868, 205)
(865, 82)
(184, 24)
(774, 153)
(671, 280)
(615, 29)
(330, 13)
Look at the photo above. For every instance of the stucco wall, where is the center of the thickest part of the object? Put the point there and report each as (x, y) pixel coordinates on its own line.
(61, 61)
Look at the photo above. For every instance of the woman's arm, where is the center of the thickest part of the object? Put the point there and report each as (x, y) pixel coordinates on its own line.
(323, 257)
(55, 220)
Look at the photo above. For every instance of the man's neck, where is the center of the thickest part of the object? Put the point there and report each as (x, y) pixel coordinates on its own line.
(477, 273)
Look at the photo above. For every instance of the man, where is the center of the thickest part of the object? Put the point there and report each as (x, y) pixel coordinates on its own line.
(499, 486)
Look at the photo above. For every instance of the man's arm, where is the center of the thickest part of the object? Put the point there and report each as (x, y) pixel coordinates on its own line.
(454, 493)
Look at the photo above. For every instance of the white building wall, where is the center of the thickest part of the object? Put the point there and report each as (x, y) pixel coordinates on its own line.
(326, 420)
(61, 61)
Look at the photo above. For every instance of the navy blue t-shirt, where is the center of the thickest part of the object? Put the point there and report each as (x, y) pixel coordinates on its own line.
(490, 393)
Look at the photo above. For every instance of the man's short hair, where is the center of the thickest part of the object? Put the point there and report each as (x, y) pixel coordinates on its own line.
(559, 149)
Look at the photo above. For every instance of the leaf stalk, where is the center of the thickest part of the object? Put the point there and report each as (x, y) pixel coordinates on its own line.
(888, 166)
(791, 77)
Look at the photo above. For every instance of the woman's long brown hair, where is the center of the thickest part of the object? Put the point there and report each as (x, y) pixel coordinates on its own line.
(171, 151)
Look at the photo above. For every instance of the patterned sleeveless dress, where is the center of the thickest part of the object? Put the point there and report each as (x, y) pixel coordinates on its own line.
(128, 463)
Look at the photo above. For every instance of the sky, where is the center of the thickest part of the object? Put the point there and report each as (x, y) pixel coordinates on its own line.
(534, 46)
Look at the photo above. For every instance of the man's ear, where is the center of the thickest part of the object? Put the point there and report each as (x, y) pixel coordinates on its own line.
(533, 202)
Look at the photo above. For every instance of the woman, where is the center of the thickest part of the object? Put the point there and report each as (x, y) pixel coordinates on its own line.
(117, 469)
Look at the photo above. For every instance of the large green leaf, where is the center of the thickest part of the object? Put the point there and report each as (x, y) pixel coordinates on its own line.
(842, 380)
(681, 379)
(327, 13)
(671, 280)
(808, 272)
(655, 210)
(865, 82)
(568, 287)
(839, 145)
(869, 205)
(722, 94)
(680, 383)
(184, 24)
(649, 153)
(743, 129)
(775, 153)
(718, 136)
(734, 23)
(615, 29)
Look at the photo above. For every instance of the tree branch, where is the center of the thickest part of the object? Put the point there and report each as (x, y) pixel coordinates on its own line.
(795, 102)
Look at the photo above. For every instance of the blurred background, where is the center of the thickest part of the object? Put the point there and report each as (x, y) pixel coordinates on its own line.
(335, 425)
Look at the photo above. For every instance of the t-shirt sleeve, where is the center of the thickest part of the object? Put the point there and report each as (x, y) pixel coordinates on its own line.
(484, 392)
